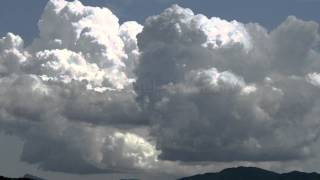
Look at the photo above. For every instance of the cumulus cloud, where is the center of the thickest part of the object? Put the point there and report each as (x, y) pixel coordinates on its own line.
(227, 91)
(96, 96)
(69, 94)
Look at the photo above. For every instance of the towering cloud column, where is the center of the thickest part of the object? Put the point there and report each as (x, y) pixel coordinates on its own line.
(227, 91)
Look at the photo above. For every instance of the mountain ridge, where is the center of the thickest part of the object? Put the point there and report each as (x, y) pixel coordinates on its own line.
(25, 177)
(253, 173)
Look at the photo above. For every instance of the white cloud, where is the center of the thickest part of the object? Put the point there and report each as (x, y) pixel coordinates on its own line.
(95, 35)
(71, 92)
(314, 79)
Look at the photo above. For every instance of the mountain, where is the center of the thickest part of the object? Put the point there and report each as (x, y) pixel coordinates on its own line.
(25, 177)
(252, 173)
(6, 178)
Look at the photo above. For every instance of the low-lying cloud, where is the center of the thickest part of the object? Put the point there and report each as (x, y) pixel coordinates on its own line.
(90, 95)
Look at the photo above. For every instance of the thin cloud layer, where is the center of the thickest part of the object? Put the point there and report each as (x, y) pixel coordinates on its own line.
(90, 95)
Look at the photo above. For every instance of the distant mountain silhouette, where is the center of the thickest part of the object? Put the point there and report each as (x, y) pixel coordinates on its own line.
(252, 173)
(6, 178)
(25, 177)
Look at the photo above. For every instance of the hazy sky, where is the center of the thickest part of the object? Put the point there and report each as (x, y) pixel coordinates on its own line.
(85, 94)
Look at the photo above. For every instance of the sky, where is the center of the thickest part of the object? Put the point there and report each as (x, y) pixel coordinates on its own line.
(158, 89)
(268, 13)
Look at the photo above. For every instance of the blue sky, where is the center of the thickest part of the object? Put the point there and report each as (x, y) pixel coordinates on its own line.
(21, 16)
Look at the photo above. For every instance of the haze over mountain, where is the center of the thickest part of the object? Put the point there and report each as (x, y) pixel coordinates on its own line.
(25, 177)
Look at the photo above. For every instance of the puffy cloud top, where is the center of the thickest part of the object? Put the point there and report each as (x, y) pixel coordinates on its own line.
(179, 24)
(226, 91)
(92, 33)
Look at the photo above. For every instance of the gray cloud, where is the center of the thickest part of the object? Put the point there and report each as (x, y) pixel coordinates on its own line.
(237, 95)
